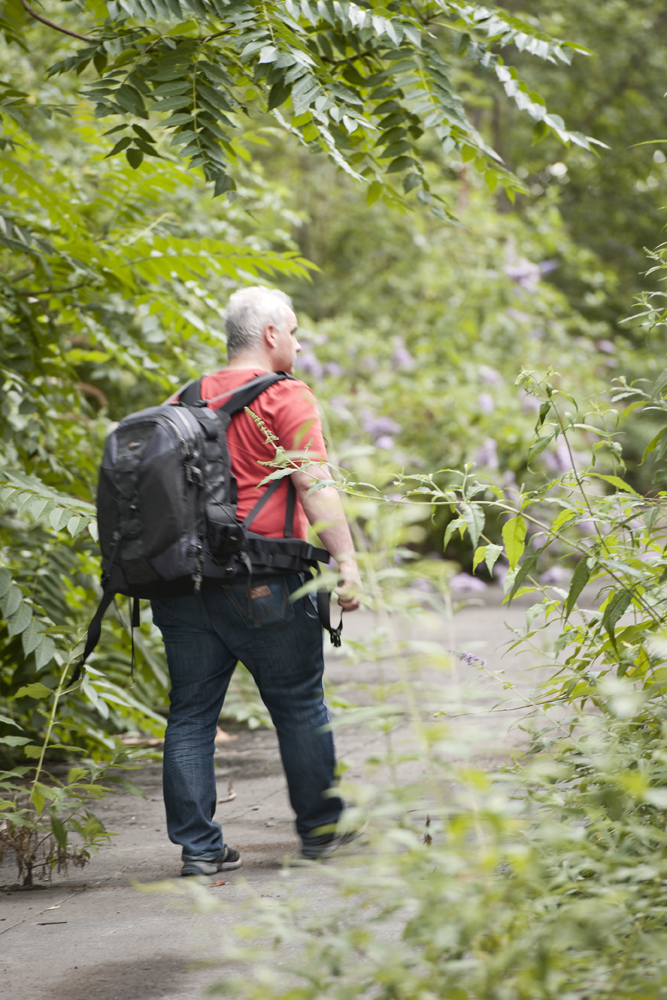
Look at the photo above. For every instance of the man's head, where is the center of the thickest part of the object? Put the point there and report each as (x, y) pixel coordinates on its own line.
(261, 328)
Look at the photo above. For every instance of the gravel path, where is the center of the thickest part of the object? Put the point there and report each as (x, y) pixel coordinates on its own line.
(93, 935)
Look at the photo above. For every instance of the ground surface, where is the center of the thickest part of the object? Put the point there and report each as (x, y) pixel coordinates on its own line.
(94, 935)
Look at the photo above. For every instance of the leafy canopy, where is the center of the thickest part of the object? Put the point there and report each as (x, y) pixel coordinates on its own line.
(361, 82)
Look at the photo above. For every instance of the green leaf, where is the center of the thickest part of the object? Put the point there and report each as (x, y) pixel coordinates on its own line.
(5, 581)
(130, 100)
(402, 163)
(14, 741)
(58, 517)
(537, 447)
(524, 570)
(562, 519)
(278, 94)
(134, 157)
(580, 578)
(615, 481)
(73, 524)
(458, 522)
(59, 831)
(33, 752)
(617, 607)
(19, 620)
(474, 517)
(38, 800)
(653, 443)
(479, 556)
(31, 637)
(514, 537)
(9, 722)
(492, 554)
(660, 383)
(374, 192)
(532, 613)
(143, 134)
(130, 787)
(36, 690)
(120, 146)
(44, 652)
(11, 601)
(542, 415)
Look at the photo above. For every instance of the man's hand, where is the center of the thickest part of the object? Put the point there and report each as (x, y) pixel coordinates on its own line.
(349, 586)
(323, 508)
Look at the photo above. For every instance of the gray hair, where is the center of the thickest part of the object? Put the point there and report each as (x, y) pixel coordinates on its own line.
(248, 312)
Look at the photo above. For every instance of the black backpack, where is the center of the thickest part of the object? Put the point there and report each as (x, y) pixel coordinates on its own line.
(166, 507)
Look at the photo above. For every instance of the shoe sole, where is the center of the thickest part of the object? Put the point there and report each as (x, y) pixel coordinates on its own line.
(192, 871)
(329, 850)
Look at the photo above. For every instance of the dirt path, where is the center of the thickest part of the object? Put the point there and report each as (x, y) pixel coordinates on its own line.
(92, 935)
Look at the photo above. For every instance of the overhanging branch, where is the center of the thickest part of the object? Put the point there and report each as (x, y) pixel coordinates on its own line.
(56, 27)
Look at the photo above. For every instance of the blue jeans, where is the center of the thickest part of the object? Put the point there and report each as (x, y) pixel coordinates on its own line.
(280, 643)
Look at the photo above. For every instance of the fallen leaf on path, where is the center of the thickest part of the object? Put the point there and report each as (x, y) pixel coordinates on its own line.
(220, 883)
(231, 793)
(222, 737)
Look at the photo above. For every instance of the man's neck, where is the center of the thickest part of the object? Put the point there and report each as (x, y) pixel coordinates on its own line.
(250, 361)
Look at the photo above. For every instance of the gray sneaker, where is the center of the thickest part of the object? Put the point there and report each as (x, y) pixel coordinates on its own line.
(227, 860)
(320, 852)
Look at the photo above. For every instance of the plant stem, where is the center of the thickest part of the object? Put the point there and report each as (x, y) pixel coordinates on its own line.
(52, 717)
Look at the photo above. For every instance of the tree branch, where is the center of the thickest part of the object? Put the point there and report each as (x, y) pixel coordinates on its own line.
(50, 24)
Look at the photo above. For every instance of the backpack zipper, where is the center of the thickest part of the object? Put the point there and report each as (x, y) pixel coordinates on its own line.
(196, 480)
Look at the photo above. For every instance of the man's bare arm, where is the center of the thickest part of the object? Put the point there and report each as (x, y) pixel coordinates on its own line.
(325, 507)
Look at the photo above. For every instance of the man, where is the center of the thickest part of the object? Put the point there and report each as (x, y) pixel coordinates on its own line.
(252, 619)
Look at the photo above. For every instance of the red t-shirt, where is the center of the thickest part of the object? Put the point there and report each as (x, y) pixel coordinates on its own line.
(289, 411)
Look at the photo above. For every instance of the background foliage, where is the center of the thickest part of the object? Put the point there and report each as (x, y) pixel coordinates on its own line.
(539, 877)
(155, 168)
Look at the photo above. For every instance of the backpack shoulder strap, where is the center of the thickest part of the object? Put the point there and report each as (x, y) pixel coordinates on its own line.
(190, 394)
(249, 391)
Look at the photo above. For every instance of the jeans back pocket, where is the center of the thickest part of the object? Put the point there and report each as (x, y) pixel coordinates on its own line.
(263, 603)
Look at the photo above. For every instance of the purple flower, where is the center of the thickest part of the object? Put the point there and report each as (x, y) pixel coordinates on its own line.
(606, 346)
(465, 583)
(333, 368)
(377, 425)
(468, 658)
(489, 375)
(487, 455)
(525, 273)
(401, 358)
(310, 364)
(385, 442)
(546, 266)
(485, 403)
(559, 461)
(423, 585)
(338, 402)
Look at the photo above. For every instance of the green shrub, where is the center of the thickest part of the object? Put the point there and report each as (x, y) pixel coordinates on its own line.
(546, 878)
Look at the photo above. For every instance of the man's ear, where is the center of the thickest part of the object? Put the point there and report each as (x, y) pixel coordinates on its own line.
(270, 335)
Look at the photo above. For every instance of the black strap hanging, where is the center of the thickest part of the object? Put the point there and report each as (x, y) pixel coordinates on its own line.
(324, 612)
(135, 622)
(94, 632)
